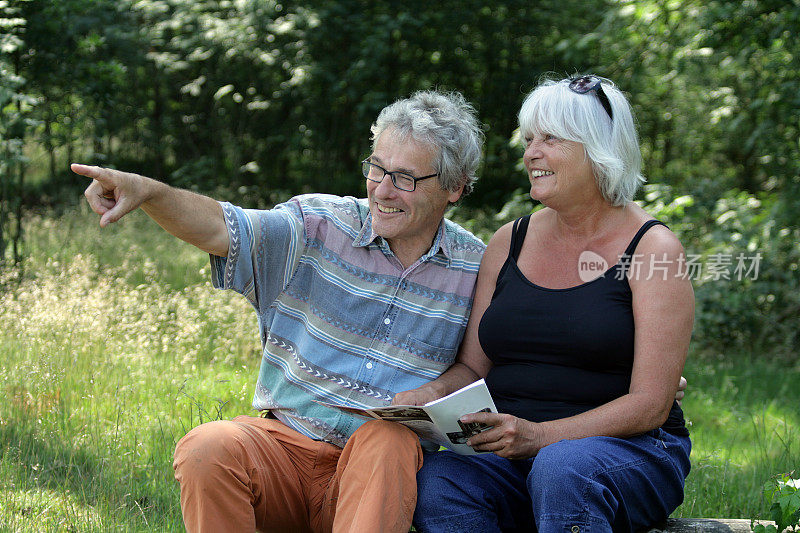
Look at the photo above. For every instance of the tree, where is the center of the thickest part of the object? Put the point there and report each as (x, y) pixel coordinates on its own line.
(14, 122)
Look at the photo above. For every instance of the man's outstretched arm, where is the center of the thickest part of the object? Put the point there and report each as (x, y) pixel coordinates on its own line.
(192, 217)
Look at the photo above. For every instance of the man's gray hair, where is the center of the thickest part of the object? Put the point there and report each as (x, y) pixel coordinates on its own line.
(612, 146)
(447, 123)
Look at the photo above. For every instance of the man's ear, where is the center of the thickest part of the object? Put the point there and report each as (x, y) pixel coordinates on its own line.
(456, 195)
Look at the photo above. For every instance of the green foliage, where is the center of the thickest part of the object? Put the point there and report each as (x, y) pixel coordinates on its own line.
(483, 222)
(15, 104)
(783, 494)
(275, 94)
(257, 99)
(714, 87)
(76, 61)
(281, 95)
(748, 289)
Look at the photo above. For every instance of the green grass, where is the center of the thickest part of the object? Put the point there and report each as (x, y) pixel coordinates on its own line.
(745, 425)
(113, 344)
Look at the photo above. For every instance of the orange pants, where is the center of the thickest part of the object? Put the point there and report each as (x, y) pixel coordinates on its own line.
(254, 473)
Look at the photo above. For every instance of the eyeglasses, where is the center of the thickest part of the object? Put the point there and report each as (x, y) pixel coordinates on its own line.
(584, 84)
(401, 180)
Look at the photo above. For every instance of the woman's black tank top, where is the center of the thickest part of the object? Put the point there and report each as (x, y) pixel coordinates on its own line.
(560, 352)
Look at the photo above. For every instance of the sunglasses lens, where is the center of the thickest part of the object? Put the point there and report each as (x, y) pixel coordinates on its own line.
(584, 84)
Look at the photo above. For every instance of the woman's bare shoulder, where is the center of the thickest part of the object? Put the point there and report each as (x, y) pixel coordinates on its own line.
(499, 244)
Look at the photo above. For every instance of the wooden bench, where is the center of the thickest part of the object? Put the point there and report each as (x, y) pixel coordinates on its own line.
(708, 525)
(699, 525)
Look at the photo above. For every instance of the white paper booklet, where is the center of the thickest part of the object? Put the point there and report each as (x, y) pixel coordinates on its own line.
(438, 421)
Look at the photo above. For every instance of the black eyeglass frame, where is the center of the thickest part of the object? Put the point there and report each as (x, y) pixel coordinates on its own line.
(590, 82)
(366, 165)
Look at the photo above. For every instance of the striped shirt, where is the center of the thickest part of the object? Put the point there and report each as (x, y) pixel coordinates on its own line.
(341, 320)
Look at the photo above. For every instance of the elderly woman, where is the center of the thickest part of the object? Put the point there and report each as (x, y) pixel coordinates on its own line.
(582, 360)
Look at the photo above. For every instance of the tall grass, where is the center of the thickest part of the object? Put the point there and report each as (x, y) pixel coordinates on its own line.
(113, 344)
(112, 348)
(744, 411)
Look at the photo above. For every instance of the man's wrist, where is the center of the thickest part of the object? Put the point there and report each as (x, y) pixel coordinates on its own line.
(439, 388)
(152, 190)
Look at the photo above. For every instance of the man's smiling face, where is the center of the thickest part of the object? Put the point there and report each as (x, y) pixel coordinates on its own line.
(407, 220)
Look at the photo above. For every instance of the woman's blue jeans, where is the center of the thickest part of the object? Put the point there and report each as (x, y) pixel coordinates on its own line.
(584, 485)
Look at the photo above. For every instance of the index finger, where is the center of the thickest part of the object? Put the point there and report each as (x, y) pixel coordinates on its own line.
(85, 170)
(104, 175)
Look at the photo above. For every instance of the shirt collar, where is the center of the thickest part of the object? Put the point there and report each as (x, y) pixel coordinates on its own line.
(366, 237)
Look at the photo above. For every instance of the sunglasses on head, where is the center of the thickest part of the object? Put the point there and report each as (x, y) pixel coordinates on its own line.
(584, 84)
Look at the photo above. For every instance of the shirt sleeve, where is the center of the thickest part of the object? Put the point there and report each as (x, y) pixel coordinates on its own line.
(264, 251)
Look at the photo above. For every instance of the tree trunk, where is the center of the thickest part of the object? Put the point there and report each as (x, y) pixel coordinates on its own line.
(5, 177)
(158, 125)
(48, 138)
(17, 238)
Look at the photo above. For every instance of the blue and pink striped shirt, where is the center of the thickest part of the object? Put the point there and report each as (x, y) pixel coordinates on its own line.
(341, 320)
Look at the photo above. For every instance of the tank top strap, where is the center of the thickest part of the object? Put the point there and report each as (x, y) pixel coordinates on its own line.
(639, 234)
(520, 229)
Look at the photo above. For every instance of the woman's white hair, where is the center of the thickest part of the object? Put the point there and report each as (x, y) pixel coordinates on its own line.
(611, 145)
(445, 121)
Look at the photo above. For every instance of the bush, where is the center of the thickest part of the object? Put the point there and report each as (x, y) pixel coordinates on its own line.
(747, 291)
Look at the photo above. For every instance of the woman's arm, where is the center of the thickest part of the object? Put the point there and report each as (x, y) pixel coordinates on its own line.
(663, 310)
(471, 363)
(663, 313)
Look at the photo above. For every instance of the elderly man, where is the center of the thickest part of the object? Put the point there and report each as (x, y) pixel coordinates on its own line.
(356, 300)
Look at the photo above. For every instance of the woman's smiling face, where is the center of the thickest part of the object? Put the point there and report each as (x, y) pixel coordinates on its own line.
(558, 170)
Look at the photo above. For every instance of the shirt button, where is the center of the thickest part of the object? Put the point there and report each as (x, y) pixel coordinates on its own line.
(575, 529)
(387, 321)
(369, 365)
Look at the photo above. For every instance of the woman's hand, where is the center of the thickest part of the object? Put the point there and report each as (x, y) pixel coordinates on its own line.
(511, 437)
